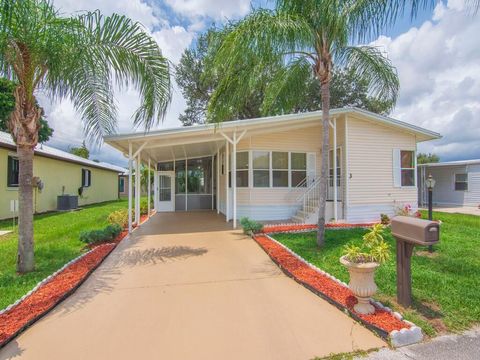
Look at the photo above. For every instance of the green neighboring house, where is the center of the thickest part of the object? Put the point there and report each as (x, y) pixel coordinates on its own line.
(61, 173)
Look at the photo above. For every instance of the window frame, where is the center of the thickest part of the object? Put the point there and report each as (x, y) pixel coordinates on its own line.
(462, 182)
(15, 160)
(414, 168)
(121, 184)
(89, 173)
(270, 168)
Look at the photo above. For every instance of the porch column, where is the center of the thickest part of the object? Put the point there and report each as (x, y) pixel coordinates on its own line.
(137, 191)
(227, 165)
(148, 187)
(130, 187)
(218, 182)
(335, 207)
(234, 179)
(186, 183)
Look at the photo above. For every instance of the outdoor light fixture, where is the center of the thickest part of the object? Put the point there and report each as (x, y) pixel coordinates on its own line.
(430, 182)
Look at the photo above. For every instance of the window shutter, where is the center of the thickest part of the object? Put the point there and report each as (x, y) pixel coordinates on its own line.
(397, 171)
(89, 173)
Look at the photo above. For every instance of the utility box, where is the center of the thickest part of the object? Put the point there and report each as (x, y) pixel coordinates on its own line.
(67, 202)
(410, 232)
(416, 231)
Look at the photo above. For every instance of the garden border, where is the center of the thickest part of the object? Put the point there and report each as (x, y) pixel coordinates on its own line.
(27, 323)
(397, 338)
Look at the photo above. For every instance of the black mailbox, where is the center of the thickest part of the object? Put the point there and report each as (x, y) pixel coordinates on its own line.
(410, 232)
(416, 231)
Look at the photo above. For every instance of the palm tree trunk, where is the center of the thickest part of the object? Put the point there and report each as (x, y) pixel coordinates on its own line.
(25, 260)
(322, 201)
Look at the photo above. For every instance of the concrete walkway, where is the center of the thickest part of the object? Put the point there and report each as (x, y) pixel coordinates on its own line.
(464, 346)
(186, 286)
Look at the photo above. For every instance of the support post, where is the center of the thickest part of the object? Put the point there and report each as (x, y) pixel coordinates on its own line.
(234, 179)
(130, 187)
(218, 182)
(213, 161)
(186, 183)
(137, 190)
(404, 273)
(149, 186)
(227, 211)
(335, 190)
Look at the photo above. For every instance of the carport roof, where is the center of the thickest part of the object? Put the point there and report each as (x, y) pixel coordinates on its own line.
(204, 140)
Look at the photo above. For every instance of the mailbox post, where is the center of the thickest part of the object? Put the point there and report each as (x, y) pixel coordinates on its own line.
(408, 233)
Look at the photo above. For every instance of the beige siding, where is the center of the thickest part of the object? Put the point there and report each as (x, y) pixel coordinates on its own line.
(56, 175)
(370, 165)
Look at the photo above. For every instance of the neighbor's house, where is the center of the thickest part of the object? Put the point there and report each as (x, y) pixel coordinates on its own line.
(456, 183)
(269, 168)
(60, 172)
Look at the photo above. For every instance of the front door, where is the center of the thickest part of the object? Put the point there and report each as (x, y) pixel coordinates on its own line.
(166, 191)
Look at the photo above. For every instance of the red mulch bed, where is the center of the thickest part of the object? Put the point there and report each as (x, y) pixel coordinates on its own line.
(299, 227)
(48, 295)
(332, 291)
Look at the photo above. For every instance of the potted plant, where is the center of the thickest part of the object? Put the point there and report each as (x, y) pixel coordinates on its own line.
(361, 262)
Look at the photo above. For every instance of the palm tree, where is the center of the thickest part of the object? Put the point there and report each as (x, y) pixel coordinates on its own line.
(80, 58)
(306, 35)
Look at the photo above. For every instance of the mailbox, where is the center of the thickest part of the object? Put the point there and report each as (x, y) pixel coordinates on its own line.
(408, 233)
(415, 231)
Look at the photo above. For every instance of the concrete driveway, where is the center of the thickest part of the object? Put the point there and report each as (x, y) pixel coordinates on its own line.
(186, 286)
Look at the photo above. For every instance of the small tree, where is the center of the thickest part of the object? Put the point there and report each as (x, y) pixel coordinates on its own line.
(424, 158)
(81, 151)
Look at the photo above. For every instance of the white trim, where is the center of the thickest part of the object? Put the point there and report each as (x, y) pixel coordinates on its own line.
(149, 189)
(218, 181)
(130, 187)
(227, 202)
(347, 172)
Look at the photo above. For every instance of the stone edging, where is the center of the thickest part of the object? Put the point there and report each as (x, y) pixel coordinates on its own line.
(405, 336)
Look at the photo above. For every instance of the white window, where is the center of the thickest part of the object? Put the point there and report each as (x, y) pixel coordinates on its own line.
(86, 178)
(404, 164)
(461, 182)
(261, 168)
(280, 169)
(330, 167)
(299, 169)
(242, 169)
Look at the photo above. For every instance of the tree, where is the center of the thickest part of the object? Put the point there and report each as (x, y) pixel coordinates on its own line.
(81, 151)
(347, 89)
(7, 104)
(308, 36)
(424, 158)
(77, 58)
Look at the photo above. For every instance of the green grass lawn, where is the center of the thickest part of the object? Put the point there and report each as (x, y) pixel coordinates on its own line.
(56, 243)
(446, 287)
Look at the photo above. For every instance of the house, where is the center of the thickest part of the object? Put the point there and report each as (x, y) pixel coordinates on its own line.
(274, 172)
(457, 183)
(60, 172)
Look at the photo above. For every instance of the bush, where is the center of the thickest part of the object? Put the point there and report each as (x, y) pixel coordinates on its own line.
(250, 226)
(119, 217)
(108, 233)
(373, 249)
(384, 219)
(144, 206)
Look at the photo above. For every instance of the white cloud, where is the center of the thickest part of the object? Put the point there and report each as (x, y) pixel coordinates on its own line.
(439, 69)
(215, 9)
(173, 41)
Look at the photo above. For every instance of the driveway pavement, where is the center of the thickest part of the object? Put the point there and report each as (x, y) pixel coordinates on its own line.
(186, 286)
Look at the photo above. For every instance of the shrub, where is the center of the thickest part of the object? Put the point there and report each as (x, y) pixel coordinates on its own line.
(144, 206)
(384, 219)
(119, 217)
(108, 233)
(373, 249)
(250, 226)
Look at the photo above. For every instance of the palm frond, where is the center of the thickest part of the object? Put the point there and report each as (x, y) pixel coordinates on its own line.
(287, 89)
(370, 65)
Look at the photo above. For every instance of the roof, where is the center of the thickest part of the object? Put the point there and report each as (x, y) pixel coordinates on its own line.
(51, 152)
(453, 163)
(201, 134)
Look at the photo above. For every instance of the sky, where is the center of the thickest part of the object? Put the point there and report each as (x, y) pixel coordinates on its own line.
(437, 56)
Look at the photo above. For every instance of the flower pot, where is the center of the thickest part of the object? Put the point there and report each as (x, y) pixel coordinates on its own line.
(362, 284)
